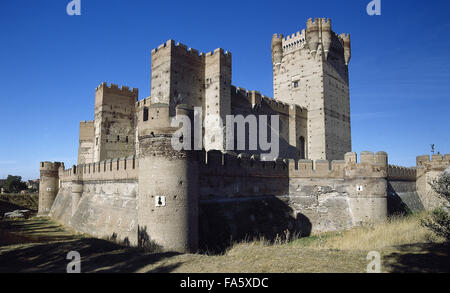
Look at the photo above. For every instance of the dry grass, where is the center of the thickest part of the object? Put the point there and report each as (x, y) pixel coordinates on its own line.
(404, 245)
(396, 232)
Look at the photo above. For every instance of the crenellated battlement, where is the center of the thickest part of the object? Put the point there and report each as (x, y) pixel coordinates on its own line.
(401, 173)
(345, 39)
(370, 165)
(294, 41)
(437, 162)
(314, 22)
(144, 102)
(114, 169)
(190, 51)
(50, 166)
(218, 51)
(114, 88)
(255, 98)
(276, 105)
(217, 163)
(169, 44)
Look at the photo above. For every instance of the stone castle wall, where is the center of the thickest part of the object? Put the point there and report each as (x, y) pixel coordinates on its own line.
(237, 196)
(427, 171)
(208, 198)
(100, 199)
(402, 194)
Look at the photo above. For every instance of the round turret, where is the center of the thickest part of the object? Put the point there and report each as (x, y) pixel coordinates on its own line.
(326, 36)
(347, 47)
(312, 34)
(381, 158)
(168, 188)
(48, 186)
(277, 49)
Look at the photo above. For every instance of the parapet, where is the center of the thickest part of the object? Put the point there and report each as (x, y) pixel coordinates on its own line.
(215, 163)
(114, 88)
(345, 39)
(219, 51)
(221, 163)
(169, 44)
(278, 37)
(370, 165)
(182, 48)
(312, 23)
(144, 102)
(255, 99)
(437, 162)
(50, 166)
(276, 105)
(296, 40)
(217, 54)
(114, 169)
(401, 173)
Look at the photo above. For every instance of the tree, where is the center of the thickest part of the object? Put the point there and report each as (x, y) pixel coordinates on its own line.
(14, 184)
(439, 221)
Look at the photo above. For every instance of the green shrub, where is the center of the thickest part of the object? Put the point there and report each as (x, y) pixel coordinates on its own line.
(439, 221)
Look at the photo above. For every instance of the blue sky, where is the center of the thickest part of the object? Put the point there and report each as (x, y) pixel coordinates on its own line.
(50, 64)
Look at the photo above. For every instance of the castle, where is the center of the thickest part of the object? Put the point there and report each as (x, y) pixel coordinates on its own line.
(132, 185)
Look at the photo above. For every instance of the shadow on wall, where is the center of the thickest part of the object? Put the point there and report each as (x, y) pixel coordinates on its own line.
(223, 224)
(395, 204)
(402, 198)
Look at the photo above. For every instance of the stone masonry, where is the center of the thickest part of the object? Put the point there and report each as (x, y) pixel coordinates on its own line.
(131, 185)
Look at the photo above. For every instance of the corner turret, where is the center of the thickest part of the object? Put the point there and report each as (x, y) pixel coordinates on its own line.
(168, 183)
(326, 36)
(347, 48)
(312, 35)
(277, 49)
(48, 186)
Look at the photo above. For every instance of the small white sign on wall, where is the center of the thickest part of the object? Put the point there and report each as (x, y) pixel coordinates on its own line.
(359, 188)
(49, 189)
(160, 201)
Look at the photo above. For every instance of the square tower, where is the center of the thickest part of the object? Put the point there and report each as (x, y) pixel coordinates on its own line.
(86, 143)
(310, 69)
(183, 76)
(114, 125)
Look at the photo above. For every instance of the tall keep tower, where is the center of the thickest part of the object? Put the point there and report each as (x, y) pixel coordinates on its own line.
(310, 69)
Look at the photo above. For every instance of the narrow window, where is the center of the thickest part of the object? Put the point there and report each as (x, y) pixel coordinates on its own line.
(96, 141)
(118, 138)
(126, 139)
(295, 84)
(145, 118)
(302, 148)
